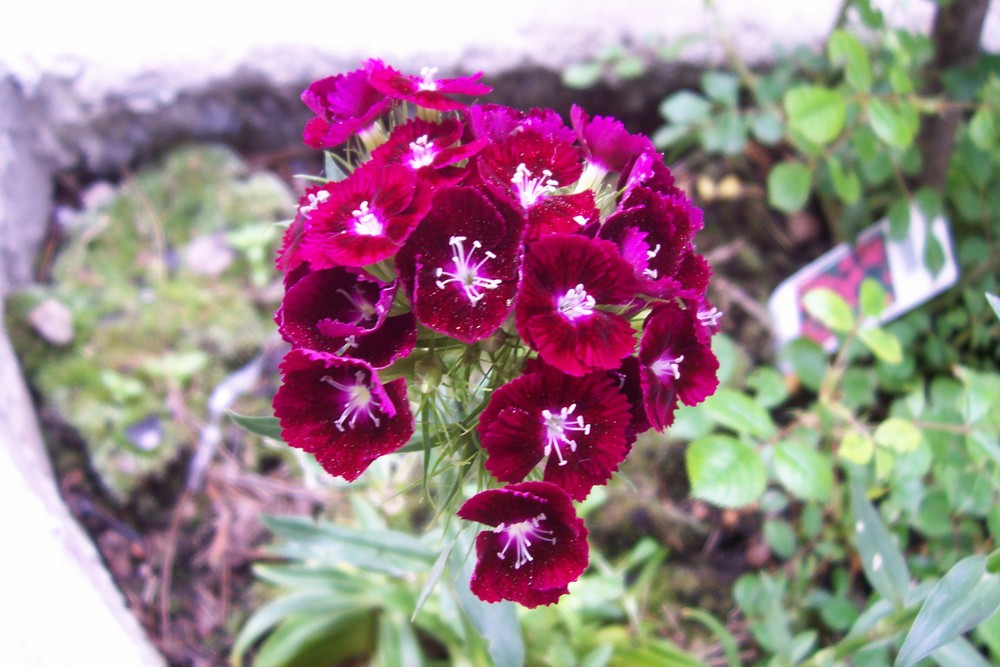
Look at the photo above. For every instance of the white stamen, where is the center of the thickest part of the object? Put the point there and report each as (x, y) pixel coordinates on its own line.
(366, 223)
(529, 190)
(710, 318)
(650, 254)
(366, 310)
(428, 82)
(315, 199)
(652, 274)
(576, 303)
(466, 273)
(556, 428)
(359, 400)
(580, 220)
(520, 535)
(668, 366)
(422, 153)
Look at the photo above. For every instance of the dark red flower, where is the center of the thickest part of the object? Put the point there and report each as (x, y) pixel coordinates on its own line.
(578, 424)
(344, 105)
(344, 312)
(463, 264)
(425, 90)
(496, 122)
(428, 149)
(364, 218)
(676, 362)
(537, 547)
(337, 410)
(607, 145)
(528, 169)
(567, 278)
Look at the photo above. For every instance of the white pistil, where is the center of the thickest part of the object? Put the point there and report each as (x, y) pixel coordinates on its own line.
(422, 153)
(466, 272)
(668, 366)
(427, 76)
(556, 428)
(529, 190)
(366, 223)
(359, 400)
(349, 342)
(520, 535)
(710, 318)
(576, 303)
(315, 199)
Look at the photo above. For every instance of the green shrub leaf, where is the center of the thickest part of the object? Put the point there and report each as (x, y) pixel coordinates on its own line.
(894, 125)
(685, 107)
(817, 113)
(739, 412)
(844, 48)
(807, 473)
(899, 435)
(883, 563)
(725, 471)
(883, 344)
(829, 308)
(264, 426)
(967, 595)
(788, 186)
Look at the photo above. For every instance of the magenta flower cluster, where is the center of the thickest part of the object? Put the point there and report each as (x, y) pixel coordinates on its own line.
(491, 226)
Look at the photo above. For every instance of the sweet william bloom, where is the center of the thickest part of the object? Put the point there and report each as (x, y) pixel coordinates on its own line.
(577, 425)
(567, 278)
(676, 362)
(536, 548)
(364, 218)
(463, 264)
(607, 145)
(425, 90)
(343, 311)
(344, 105)
(337, 410)
(428, 149)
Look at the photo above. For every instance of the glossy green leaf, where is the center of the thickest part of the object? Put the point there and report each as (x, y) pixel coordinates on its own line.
(788, 186)
(807, 473)
(267, 427)
(844, 48)
(817, 113)
(739, 412)
(685, 107)
(829, 308)
(965, 596)
(899, 435)
(882, 561)
(725, 471)
(883, 344)
(895, 125)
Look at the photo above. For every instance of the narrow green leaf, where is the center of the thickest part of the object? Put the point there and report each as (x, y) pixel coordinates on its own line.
(882, 561)
(739, 412)
(883, 344)
(316, 640)
(899, 435)
(434, 576)
(729, 644)
(960, 653)
(263, 426)
(725, 471)
(817, 113)
(788, 186)
(844, 48)
(964, 597)
(807, 473)
(829, 308)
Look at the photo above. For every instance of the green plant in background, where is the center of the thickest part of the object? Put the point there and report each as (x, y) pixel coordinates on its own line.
(150, 307)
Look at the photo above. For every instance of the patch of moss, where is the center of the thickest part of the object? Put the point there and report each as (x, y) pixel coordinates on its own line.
(164, 305)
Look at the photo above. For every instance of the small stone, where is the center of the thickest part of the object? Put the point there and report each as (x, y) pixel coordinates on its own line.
(53, 321)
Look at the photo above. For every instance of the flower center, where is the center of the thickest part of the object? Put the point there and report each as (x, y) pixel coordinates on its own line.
(466, 272)
(710, 318)
(366, 223)
(314, 199)
(529, 190)
(422, 153)
(359, 401)
(668, 366)
(576, 303)
(427, 76)
(364, 308)
(557, 428)
(349, 342)
(520, 535)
